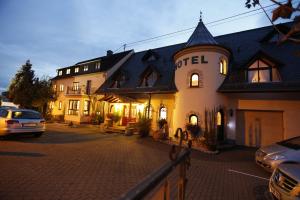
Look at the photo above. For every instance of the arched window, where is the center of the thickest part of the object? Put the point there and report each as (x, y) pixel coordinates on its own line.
(193, 119)
(163, 112)
(223, 66)
(194, 81)
(219, 119)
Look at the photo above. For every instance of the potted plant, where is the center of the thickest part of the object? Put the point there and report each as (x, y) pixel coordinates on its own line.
(194, 130)
(144, 127)
(113, 118)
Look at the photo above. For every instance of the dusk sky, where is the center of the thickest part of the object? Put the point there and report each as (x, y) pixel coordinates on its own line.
(56, 33)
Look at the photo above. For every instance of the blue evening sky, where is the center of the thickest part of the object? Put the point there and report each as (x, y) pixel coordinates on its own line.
(59, 33)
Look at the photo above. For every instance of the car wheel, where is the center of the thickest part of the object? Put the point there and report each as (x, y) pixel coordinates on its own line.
(39, 134)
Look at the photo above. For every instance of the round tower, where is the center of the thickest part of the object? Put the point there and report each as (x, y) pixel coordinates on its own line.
(201, 67)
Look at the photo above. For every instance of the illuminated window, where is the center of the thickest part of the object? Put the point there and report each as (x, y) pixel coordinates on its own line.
(163, 112)
(219, 119)
(223, 67)
(68, 71)
(73, 107)
(59, 105)
(61, 87)
(97, 66)
(194, 82)
(75, 86)
(54, 88)
(260, 72)
(76, 69)
(193, 119)
(85, 68)
(59, 72)
(86, 108)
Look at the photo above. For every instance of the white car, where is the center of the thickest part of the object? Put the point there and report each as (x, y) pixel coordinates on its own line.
(286, 151)
(14, 120)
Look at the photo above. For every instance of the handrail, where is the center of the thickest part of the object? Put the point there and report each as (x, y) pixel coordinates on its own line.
(152, 180)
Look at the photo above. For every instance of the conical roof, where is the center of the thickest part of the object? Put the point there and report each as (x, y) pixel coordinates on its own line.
(201, 36)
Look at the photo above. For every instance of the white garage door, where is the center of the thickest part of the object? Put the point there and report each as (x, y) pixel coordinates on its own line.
(259, 128)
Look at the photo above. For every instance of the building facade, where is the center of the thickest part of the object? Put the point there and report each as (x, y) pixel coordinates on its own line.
(251, 82)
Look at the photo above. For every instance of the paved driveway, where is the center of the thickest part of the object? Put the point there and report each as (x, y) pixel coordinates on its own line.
(82, 163)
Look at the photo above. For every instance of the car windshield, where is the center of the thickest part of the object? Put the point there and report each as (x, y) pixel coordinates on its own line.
(25, 115)
(293, 143)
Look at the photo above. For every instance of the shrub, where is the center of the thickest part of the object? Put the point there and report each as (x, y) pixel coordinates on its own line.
(161, 123)
(144, 127)
(114, 117)
(194, 130)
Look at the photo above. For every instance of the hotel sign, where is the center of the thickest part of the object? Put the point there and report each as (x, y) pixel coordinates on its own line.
(190, 60)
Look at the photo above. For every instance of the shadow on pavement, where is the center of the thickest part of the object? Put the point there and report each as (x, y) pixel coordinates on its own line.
(21, 154)
(56, 137)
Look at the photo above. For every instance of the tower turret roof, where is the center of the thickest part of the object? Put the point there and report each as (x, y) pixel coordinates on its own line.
(201, 36)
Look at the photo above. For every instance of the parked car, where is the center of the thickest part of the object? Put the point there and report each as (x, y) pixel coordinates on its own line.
(14, 120)
(270, 157)
(285, 182)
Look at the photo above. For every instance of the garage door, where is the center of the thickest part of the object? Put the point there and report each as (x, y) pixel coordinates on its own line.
(259, 128)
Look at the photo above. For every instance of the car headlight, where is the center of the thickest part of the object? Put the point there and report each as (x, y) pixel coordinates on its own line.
(276, 157)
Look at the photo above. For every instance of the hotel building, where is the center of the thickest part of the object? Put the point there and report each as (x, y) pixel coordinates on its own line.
(252, 81)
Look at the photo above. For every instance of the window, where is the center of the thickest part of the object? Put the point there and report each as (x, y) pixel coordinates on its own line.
(59, 105)
(59, 72)
(163, 112)
(223, 66)
(75, 86)
(73, 107)
(149, 80)
(85, 68)
(54, 88)
(194, 81)
(260, 72)
(97, 66)
(86, 108)
(61, 87)
(68, 71)
(76, 69)
(219, 119)
(193, 119)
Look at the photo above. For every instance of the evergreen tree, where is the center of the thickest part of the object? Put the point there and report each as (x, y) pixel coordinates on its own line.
(21, 89)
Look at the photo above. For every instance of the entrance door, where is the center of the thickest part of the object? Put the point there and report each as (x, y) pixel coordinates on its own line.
(220, 125)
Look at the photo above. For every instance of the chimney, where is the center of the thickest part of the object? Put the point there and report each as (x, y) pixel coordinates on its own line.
(109, 52)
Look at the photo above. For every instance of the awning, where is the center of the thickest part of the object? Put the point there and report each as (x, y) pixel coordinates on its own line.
(113, 98)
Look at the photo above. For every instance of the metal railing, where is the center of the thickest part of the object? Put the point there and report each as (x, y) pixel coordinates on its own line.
(178, 156)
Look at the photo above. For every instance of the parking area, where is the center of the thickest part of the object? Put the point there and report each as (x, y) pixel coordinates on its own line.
(83, 163)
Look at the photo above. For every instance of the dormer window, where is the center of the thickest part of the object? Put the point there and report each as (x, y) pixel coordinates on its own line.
(68, 71)
(97, 66)
(76, 69)
(194, 80)
(59, 72)
(85, 68)
(119, 81)
(262, 72)
(223, 66)
(149, 79)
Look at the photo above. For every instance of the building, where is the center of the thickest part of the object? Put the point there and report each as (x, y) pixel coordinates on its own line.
(252, 81)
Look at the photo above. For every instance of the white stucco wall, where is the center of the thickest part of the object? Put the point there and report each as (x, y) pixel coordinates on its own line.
(195, 100)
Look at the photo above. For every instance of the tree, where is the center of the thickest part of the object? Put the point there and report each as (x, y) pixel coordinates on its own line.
(283, 11)
(21, 89)
(29, 91)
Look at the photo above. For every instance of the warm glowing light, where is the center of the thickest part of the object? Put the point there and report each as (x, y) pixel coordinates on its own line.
(140, 107)
(195, 80)
(219, 119)
(193, 119)
(117, 107)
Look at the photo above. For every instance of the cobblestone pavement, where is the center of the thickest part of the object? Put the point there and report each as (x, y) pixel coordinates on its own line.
(82, 163)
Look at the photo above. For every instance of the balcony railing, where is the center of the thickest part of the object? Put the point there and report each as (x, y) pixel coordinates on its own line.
(80, 90)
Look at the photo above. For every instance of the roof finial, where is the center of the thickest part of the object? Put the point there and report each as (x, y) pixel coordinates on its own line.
(200, 16)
